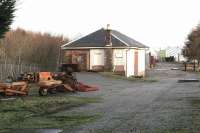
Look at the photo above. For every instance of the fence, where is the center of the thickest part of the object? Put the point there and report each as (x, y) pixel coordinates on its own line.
(15, 69)
(191, 67)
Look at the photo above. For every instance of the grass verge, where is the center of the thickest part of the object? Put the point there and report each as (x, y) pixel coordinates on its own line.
(38, 112)
(134, 79)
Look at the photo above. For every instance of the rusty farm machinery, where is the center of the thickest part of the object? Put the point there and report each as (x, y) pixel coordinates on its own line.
(61, 82)
(14, 89)
(47, 82)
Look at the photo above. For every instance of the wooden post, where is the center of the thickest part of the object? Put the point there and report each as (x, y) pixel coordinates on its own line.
(194, 66)
(185, 64)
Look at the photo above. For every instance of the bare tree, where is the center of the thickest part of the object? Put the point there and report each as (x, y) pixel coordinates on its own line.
(192, 45)
(22, 46)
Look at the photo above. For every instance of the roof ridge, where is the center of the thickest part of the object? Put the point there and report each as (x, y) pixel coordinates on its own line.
(97, 39)
(120, 39)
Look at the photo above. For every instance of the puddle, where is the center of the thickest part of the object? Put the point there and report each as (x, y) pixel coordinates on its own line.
(175, 68)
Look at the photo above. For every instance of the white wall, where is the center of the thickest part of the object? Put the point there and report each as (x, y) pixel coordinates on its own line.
(141, 62)
(130, 62)
(96, 57)
(124, 57)
(119, 57)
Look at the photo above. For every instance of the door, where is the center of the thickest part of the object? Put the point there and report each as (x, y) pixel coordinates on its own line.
(136, 63)
(82, 62)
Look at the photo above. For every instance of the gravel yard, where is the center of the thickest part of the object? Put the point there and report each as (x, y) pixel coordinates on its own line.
(143, 107)
(120, 106)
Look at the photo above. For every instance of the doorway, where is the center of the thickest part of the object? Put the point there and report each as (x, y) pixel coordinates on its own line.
(136, 63)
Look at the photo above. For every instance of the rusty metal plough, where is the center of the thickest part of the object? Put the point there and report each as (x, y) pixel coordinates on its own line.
(47, 82)
(14, 88)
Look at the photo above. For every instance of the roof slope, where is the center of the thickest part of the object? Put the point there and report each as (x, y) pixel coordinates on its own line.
(98, 39)
(129, 41)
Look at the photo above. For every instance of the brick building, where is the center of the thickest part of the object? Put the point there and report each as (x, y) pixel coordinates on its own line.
(106, 50)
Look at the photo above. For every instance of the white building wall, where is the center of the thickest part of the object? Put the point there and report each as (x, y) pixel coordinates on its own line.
(130, 62)
(119, 57)
(141, 62)
(96, 57)
(124, 57)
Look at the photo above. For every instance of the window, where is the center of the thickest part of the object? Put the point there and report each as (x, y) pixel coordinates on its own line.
(119, 54)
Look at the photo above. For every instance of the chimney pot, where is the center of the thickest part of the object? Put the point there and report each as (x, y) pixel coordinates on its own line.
(108, 26)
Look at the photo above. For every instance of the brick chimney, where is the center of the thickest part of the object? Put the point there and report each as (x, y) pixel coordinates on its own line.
(108, 36)
(108, 50)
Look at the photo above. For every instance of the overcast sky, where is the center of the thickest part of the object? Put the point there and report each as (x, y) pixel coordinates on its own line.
(156, 23)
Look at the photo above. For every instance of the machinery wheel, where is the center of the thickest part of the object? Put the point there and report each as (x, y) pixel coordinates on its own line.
(2, 94)
(43, 92)
(52, 91)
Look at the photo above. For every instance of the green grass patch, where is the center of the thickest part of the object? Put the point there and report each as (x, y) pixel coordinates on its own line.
(105, 131)
(134, 79)
(172, 131)
(195, 103)
(38, 112)
(146, 131)
(48, 121)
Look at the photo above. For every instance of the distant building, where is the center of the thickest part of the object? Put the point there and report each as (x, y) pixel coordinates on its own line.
(162, 55)
(107, 50)
(175, 52)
